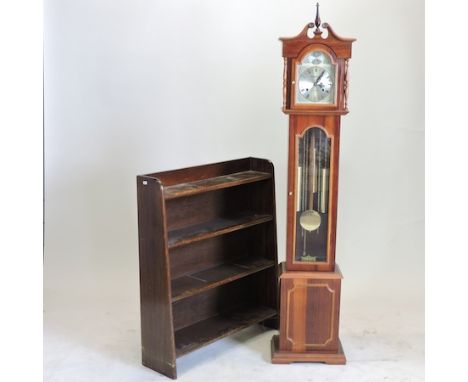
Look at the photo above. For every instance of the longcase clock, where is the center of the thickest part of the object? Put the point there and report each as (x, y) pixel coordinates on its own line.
(315, 92)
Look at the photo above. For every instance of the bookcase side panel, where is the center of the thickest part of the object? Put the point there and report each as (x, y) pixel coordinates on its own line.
(157, 334)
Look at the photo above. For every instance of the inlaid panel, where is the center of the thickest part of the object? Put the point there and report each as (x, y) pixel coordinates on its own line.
(310, 313)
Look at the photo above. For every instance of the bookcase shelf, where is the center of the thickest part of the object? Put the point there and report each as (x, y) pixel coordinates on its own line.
(215, 227)
(189, 285)
(215, 183)
(208, 256)
(219, 326)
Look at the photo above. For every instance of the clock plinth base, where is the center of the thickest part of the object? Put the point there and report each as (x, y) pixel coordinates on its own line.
(283, 357)
(309, 318)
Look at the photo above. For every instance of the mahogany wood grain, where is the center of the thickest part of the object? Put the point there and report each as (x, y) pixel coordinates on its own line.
(292, 46)
(305, 116)
(310, 310)
(310, 291)
(295, 48)
(297, 126)
(285, 356)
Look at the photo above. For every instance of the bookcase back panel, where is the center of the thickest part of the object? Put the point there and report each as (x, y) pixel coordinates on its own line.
(216, 301)
(216, 251)
(205, 207)
(230, 202)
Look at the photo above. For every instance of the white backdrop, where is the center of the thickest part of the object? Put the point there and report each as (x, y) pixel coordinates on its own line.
(140, 86)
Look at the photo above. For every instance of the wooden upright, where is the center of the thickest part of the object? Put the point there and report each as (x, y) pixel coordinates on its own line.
(315, 97)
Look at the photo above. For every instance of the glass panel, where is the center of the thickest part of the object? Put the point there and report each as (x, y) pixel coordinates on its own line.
(316, 79)
(312, 192)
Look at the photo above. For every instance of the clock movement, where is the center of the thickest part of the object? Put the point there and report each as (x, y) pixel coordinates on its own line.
(315, 92)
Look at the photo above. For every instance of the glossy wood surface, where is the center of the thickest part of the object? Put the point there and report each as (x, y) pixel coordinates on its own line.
(310, 291)
(309, 311)
(303, 117)
(295, 48)
(292, 46)
(279, 356)
(297, 127)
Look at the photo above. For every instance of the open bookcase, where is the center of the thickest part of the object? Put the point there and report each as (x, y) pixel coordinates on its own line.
(208, 256)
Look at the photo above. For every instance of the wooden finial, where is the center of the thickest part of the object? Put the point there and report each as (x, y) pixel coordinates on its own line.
(318, 22)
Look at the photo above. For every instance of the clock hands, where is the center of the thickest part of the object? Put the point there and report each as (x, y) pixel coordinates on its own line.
(314, 83)
(319, 78)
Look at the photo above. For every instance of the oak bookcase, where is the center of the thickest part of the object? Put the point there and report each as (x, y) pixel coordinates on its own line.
(208, 256)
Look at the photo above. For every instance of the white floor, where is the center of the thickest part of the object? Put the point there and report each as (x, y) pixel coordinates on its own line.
(91, 339)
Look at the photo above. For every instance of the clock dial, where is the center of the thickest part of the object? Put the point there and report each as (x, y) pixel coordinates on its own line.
(316, 79)
(315, 83)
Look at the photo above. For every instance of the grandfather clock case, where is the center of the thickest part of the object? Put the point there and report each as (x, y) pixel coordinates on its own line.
(315, 92)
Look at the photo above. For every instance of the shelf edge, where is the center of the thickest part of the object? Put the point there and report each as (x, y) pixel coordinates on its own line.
(227, 280)
(237, 227)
